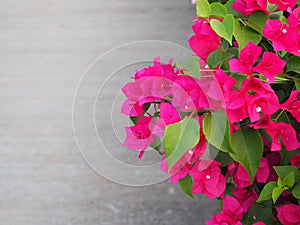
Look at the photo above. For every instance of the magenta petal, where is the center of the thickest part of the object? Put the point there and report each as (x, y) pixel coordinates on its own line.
(270, 66)
(169, 113)
(248, 56)
(131, 108)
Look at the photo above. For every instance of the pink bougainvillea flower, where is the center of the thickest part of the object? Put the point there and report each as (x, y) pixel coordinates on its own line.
(188, 93)
(248, 56)
(180, 170)
(278, 131)
(131, 108)
(283, 37)
(223, 219)
(169, 113)
(224, 92)
(259, 98)
(289, 214)
(293, 105)
(284, 4)
(259, 223)
(286, 133)
(247, 7)
(154, 88)
(132, 91)
(232, 207)
(184, 165)
(294, 18)
(208, 179)
(295, 160)
(270, 66)
(196, 153)
(141, 91)
(157, 70)
(139, 137)
(205, 40)
(230, 98)
(246, 198)
(231, 214)
(262, 173)
(241, 177)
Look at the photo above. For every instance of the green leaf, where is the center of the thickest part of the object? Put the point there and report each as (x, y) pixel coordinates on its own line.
(223, 158)
(244, 34)
(192, 66)
(266, 192)
(296, 191)
(134, 119)
(224, 29)
(203, 8)
(276, 15)
(297, 83)
(257, 21)
(287, 155)
(186, 185)
(218, 10)
(230, 10)
(180, 137)
(283, 171)
(293, 64)
(271, 7)
(289, 180)
(277, 191)
(217, 57)
(280, 182)
(259, 213)
(248, 148)
(217, 130)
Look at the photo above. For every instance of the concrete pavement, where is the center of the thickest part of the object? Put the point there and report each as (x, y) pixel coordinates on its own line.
(44, 48)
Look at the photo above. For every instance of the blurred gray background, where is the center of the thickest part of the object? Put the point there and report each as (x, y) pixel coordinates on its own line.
(44, 48)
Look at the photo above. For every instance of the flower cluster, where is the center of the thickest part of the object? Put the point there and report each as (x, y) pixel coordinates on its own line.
(239, 94)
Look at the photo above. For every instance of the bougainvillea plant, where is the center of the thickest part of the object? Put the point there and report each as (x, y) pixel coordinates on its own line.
(226, 121)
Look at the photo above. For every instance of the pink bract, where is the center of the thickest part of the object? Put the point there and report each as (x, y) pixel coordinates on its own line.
(293, 105)
(270, 66)
(132, 108)
(259, 98)
(208, 179)
(188, 94)
(248, 56)
(289, 214)
(284, 4)
(205, 40)
(139, 137)
(157, 70)
(295, 160)
(279, 131)
(246, 198)
(248, 7)
(169, 113)
(283, 37)
(231, 214)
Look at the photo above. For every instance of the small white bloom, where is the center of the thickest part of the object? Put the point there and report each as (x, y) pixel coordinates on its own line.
(258, 109)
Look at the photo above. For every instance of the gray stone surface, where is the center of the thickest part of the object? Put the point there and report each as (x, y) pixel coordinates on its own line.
(44, 48)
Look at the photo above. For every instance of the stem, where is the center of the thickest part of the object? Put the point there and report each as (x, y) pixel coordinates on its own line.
(277, 117)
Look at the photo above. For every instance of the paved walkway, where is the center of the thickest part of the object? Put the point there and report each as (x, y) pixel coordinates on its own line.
(44, 48)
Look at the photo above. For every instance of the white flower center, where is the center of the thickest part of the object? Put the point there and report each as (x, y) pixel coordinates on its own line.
(191, 152)
(207, 177)
(284, 31)
(258, 109)
(206, 66)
